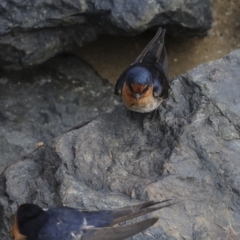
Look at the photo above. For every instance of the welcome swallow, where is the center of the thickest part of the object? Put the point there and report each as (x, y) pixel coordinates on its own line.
(65, 223)
(145, 84)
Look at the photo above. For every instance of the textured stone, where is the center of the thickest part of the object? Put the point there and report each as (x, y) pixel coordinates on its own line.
(33, 31)
(45, 101)
(190, 153)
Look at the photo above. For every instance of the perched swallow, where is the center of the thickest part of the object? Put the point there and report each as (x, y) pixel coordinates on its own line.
(145, 84)
(65, 223)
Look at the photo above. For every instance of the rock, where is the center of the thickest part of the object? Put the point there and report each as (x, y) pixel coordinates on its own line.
(45, 101)
(190, 153)
(32, 32)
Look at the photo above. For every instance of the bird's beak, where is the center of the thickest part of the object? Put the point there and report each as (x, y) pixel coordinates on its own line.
(137, 95)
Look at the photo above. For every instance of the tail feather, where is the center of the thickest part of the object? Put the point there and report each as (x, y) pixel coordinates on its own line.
(154, 49)
(146, 49)
(126, 213)
(157, 49)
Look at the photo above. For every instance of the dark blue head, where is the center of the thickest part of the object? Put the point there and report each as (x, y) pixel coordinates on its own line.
(138, 81)
(139, 75)
(30, 218)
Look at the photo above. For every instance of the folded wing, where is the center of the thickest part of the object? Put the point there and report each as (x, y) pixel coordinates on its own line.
(116, 233)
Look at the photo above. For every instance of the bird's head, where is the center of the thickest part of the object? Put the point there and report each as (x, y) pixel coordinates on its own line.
(138, 82)
(29, 220)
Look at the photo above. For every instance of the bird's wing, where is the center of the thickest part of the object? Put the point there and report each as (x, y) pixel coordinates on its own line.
(115, 233)
(129, 212)
(163, 60)
(154, 47)
(119, 84)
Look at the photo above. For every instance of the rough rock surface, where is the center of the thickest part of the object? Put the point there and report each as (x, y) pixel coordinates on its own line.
(33, 31)
(191, 153)
(45, 101)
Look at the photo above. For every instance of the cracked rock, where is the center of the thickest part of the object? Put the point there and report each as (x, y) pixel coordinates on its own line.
(45, 101)
(33, 31)
(191, 153)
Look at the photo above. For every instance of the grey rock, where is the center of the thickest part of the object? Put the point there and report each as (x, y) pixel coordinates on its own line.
(31, 32)
(40, 103)
(190, 153)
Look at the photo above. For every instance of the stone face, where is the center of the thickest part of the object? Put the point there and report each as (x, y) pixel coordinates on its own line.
(31, 32)
(46, 101)
(190, 153)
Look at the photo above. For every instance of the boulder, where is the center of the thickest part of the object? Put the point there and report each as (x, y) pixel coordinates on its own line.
(33, 31)
(190, 153)
(43, 102)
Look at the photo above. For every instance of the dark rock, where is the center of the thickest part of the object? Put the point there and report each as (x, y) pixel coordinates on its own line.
(31, 32)
(191, 153)
(45, 101)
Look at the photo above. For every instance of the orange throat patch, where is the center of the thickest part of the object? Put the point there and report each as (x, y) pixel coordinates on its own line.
(146, 102)
(16, 235)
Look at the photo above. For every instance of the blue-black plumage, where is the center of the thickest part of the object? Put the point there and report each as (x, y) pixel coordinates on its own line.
(65, 223)
(145, 83)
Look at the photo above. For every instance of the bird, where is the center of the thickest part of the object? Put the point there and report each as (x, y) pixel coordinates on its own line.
(145, 83)
(66, 223)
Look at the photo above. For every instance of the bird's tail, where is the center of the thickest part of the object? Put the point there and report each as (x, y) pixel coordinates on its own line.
(123, 214)
(155, 49)
(129, 212)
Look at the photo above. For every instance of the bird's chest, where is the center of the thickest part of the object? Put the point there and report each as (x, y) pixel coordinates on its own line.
(145, 104)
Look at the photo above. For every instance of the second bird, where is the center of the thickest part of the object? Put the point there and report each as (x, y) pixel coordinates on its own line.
(64, 223)
(145, 84)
